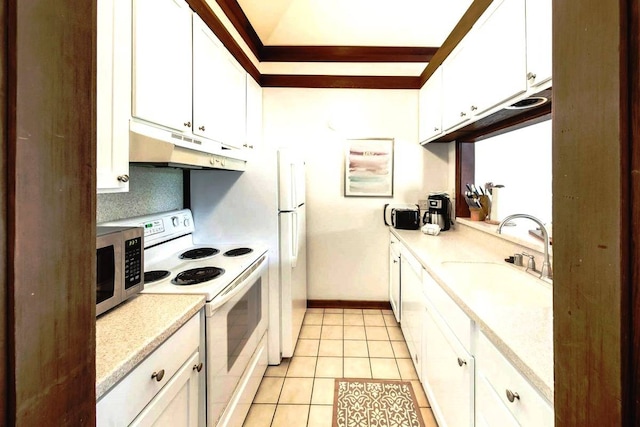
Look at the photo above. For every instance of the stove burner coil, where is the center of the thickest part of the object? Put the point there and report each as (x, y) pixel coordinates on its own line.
(197, 275)
(238, 252)
(198, 253)
(155, 275)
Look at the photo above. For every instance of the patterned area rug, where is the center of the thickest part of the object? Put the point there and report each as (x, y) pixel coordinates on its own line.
(375, 403)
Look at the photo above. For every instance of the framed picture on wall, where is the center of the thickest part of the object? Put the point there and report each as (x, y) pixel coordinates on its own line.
(368, 168)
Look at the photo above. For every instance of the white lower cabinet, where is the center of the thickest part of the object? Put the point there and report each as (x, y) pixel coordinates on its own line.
(412, 306)
(177, 402)
(465, 377)
(448, 373)
(394, 276)
(490, 411)
(164, 389)
(514, 393)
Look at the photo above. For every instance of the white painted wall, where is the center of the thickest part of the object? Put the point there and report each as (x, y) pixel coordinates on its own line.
(346, 239)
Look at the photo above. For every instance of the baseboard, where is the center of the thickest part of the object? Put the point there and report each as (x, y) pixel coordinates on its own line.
(336, 303)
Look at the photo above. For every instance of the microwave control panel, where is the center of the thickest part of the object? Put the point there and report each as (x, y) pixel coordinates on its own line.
(132, 262)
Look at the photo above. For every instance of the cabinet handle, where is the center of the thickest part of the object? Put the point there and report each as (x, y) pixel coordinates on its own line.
(461, 362)
(474, 108)
(187, 124)
(245, 145)
(251, 146)
(395, 261)
(462, 114)
(158, 375)
(198, 367)
(201, 128)
(436, 129)
(123, 178)
(531, 76)
(512, 395)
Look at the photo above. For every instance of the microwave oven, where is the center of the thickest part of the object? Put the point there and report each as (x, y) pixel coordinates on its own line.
(119, 265)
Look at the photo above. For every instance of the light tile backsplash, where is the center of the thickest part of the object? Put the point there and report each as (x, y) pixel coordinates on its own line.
(151, 190)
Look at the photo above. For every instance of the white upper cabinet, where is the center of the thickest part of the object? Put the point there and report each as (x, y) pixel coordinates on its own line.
(113, 102)
(254, 114)
(162, 60)
(499, 44)
(219, 90)
(458, 85)
(430, 107)
(539, 45)
(504, 58)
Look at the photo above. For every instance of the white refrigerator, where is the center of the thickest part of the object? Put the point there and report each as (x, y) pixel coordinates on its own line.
(293, 248)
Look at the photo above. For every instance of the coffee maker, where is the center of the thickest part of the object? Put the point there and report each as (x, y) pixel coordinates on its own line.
(439, 210)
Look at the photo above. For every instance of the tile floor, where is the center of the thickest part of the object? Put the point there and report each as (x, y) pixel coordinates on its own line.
(333, 343)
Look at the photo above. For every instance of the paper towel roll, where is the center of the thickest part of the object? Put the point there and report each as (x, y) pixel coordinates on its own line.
(498, 203)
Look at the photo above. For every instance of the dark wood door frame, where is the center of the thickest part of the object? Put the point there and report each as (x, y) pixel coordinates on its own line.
(3, 208)
(596, 212)
(632, 379)
(48, 157)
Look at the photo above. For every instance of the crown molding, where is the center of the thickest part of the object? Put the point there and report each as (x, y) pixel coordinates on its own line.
(339, 82)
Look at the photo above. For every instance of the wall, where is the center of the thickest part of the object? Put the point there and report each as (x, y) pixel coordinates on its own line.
(151, 190)
(347, 242)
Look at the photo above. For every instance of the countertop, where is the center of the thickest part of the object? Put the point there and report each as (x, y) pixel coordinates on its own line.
(514, 309)
(126, 335)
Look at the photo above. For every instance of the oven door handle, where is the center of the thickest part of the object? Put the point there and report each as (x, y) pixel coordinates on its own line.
(240, 284)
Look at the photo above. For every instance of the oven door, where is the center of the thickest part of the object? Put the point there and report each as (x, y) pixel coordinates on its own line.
(236, 321)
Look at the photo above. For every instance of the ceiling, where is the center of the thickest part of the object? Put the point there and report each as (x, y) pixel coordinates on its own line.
(341, 43)
(415, 23)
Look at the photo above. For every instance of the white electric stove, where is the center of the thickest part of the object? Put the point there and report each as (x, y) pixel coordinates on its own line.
(234, 280)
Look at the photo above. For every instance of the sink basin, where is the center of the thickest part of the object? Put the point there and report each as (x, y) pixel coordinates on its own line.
(501, 283)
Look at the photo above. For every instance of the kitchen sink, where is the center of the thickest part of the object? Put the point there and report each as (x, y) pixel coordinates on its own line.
(500, 282)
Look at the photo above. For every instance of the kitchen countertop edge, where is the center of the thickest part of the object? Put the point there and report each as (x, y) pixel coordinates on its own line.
(496, 339)
(128, 334)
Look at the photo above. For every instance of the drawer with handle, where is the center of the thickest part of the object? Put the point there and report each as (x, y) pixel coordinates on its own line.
(140, 385)
(521, 399)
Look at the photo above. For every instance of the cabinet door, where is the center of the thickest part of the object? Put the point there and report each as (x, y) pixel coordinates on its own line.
(539, 43)
(177, 404)
(448, 374)
(517, 394)
(113, 95)
(162, 63)
(219, 92)
(490, 411)
(412, 306)
(430, 108)
(254, 114)
(457, 86)
(500, 50)
(394, 277)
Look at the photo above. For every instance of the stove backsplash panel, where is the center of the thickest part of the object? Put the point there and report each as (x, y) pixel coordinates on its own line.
(151, 190)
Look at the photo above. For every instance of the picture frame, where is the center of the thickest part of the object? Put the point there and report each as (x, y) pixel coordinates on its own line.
(368, 167)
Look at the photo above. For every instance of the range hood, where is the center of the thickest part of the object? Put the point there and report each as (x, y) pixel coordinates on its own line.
(155, 146)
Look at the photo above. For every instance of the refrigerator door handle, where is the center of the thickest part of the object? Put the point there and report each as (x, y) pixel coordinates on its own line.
(294, 186)
(294, 240)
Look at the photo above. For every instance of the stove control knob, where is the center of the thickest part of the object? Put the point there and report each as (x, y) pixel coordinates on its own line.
(175, 221)
(186, 222)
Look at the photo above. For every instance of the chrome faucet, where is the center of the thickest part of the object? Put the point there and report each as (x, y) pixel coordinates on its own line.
(545, 271)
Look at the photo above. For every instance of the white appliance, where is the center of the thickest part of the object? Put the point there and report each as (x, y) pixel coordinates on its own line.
(238, 207)
(293, 248)
(234, 279)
